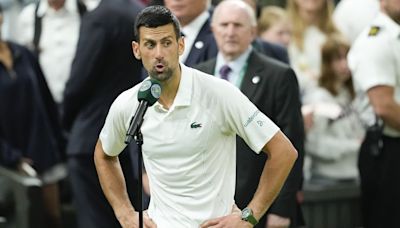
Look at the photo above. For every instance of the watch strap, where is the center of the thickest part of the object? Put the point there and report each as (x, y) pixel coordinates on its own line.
(249, 217)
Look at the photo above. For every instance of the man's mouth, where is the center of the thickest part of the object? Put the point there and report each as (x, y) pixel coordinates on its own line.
(159, 67)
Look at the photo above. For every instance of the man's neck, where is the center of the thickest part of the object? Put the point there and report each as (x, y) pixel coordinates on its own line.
(56, 4)
(170, 89)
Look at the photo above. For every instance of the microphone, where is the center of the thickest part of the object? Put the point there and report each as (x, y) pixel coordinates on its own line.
(148, 94)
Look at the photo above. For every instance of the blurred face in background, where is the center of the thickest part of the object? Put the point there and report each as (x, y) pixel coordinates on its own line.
(392, 9)
(340, 66)
(279, 33)
(234, 28)
(311, 6)
(186, 10)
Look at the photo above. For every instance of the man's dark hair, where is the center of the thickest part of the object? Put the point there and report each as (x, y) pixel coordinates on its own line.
(155, 16)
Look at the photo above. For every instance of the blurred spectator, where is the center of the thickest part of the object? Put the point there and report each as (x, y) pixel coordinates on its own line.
(375, 63)
(51, 29)
(194, 16)
(103, 67)
(272, 87)
(11, 10)
(352, 16)
(335, 137)
(268, 48)
(274, 26)
(29, 128)
(312, 22)
(204, 47)
(255, 5)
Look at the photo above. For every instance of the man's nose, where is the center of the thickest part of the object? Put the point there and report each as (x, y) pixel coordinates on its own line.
(230, 29)
(159, 52)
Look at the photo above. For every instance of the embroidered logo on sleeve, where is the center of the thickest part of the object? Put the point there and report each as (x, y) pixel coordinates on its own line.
(195, 125)
(251, 118)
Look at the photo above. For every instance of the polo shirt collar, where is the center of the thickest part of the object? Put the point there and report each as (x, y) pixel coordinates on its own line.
(185, 90)
(184, 94)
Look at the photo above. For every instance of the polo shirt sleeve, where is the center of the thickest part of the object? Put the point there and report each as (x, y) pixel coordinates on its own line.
(112, 136)
(372, 63)
(246, 120)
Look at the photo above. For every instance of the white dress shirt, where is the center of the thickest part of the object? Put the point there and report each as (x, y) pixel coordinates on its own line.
(58, 40)
(191, 31)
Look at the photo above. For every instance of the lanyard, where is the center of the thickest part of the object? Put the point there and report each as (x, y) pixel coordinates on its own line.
(242, 72)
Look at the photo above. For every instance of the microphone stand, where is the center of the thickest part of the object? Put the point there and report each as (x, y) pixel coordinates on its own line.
(139, 142)
(137, 135)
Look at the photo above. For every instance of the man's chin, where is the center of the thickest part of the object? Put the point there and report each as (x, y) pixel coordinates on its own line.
(160, 76)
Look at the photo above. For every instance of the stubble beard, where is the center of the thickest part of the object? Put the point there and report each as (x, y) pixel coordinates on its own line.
(162, 77)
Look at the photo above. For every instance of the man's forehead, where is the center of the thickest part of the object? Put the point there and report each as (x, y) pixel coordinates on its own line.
(234, 15)
(160, 31)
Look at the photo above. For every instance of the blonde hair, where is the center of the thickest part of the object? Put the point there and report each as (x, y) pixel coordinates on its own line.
(270, 15)
(325, 22)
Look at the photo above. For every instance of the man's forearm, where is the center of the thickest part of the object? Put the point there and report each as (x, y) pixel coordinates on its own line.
(385, 106)
(112, 181)
(281, 157)
(392, 117)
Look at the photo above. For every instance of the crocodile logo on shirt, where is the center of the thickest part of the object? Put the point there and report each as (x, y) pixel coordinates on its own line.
(195, 125)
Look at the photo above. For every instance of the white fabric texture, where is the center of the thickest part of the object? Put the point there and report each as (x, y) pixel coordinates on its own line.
(333, 144)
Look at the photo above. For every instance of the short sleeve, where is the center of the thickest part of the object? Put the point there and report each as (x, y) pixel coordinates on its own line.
(246, 120)
(372, 63)
(112, 135)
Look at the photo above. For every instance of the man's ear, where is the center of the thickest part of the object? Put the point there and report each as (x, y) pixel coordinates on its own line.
(135, 50)
(181, 45)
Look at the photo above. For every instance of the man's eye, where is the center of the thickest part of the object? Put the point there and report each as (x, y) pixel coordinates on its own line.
(167, 43)
(149, 45)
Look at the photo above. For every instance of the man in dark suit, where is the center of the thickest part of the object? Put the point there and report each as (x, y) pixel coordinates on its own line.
(272, 86)
(103, 67)
(195, 18)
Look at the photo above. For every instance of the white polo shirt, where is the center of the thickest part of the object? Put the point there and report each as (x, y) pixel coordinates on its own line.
(374, 59)
(189, 151)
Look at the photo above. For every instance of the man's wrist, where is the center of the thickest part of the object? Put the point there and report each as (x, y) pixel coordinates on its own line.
(248, 216)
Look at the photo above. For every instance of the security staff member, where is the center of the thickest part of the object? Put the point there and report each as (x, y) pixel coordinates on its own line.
(375, 63)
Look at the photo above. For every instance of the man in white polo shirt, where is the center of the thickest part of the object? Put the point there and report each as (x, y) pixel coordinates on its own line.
(189, 140)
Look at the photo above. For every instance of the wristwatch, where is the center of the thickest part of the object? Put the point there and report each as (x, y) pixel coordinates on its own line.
(247, 215)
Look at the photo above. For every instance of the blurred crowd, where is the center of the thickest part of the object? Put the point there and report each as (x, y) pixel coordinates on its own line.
(63, 62)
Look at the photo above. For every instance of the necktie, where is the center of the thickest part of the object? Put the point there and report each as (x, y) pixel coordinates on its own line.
(224, 72)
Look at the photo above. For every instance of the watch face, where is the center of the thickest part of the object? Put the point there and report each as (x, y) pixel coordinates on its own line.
(246, 213)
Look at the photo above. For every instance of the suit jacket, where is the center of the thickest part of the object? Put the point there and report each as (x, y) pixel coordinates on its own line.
(207, 47)
(103, 67)
(272, 50)
(204, 47)
(277, 95)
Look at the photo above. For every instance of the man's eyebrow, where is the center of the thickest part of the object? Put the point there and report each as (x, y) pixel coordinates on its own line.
(162, 39)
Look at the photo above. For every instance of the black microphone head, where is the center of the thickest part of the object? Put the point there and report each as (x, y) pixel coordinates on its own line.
(149, 91)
